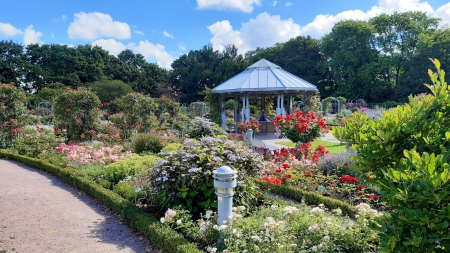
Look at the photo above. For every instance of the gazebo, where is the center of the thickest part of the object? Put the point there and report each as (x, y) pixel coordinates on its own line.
(262, 79)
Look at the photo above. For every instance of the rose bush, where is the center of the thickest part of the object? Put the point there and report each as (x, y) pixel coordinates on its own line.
(300, 127)
(12, 108)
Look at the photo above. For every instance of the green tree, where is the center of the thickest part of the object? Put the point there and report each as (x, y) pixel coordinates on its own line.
(397, 38)
(108, 90)
(12, 62)
(352, 60)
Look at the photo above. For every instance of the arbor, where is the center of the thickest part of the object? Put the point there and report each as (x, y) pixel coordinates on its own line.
(397, 40)
(352, 60)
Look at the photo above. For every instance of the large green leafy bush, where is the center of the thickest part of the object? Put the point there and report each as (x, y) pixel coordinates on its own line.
(184, 177)
(406, 152)
(12, 108)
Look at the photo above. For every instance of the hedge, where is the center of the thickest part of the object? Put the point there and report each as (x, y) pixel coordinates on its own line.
(310, 198)
(160, 235)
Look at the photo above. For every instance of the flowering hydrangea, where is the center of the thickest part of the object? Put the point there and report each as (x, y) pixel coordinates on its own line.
(201, 127)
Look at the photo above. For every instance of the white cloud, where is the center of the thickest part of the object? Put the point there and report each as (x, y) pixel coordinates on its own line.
(323, 24)
(64, 17)
(443, 12)
(275, 3)
(168, 35)
(138, 32)
(263, 31)
(94, 25)
(289, 4)
(181, 46)
(151, 52)
(9, 30)
(236, 5)
(31, 36)
(53, 36)
(111, 45)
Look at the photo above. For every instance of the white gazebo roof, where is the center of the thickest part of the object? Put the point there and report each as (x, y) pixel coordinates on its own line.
(264, 77)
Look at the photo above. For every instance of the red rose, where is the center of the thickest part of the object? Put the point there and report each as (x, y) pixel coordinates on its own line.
(346, 164)
(376, 197)
(360, 187)
(359, 192)
(308, 174)
(369, 196)
(289, 176)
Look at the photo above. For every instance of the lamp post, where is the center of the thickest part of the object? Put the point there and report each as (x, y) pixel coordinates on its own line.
(249, 136)
(224, 184)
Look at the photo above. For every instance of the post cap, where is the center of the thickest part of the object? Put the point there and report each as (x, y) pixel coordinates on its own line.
(224, 173)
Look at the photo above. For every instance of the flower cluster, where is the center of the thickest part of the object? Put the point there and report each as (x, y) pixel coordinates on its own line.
(245, 126)
(300, 127)
(79, 154)
(202, 127)
(348, 179)
(271, 180)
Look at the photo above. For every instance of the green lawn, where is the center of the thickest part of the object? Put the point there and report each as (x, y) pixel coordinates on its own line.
(332, 147)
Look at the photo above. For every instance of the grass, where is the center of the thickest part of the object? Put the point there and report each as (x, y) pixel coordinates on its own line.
(332, 147)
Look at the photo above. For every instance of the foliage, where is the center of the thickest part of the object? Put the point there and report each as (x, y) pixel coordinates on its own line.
(11, 109)
(147, 142)
(77, 112)
(185, 177)
(172, 147)
(35, 140)
(134, 113)
(327, 104)
(300, 127)
(414, 177)
(350, 127)
(161, 236)
(338, 164)
(201, 127)
(108, 90)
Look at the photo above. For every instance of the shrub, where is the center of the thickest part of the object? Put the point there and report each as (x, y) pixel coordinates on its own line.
(81, 154)
(148, 142)
(130, 166)
(126, 190)
(35, 140)
(11, 108)
(108, 90)
(172, 147)
(201, 127)
(185, 177)
(406, 154)
(300, 127)
(350, 127)
(77, 112)
(336, 164)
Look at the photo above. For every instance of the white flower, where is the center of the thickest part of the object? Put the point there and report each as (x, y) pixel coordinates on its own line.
(179, 222)
(256, 238)
(222, 227)
(216, 227)
(338, 211)
(274, 207)
(208, 214)
(290, 209)
(162, 220)
(170, 213)
(316, 211)
(314, 227)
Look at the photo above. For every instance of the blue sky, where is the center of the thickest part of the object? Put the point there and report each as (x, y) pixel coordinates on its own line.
(164, 30)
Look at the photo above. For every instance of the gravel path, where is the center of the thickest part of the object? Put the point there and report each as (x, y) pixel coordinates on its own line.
(40, 213)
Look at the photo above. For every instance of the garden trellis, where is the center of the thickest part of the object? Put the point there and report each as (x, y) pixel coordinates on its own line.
(45, 110)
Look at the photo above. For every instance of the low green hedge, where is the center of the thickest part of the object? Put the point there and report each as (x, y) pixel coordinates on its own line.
(310, 198)
(161, 236)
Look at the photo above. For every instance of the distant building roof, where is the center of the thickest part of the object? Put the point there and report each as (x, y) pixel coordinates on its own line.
(264, 76)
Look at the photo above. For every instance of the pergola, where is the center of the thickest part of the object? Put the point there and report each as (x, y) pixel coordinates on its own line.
(262, 78)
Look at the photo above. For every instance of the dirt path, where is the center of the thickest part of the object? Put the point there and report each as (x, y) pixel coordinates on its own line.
(40, 213)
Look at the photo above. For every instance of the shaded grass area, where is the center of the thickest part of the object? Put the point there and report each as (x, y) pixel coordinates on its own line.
(332, 147)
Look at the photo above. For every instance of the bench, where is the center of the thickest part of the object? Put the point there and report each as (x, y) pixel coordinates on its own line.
(260, 146)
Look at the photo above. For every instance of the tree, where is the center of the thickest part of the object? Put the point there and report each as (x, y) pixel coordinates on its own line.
(397, 37)
(12, 62)
(108, 90)
(352, 60)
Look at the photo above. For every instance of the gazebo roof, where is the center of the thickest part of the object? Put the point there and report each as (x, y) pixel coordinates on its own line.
(264, 77)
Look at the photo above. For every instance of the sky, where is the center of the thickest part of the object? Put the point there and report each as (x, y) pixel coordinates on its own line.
(162, 31)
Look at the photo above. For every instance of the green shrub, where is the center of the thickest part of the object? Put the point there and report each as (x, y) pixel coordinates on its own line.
(108, 90)
(11, 108)
(148, 142)
(35, 140)
(130, 166)
(201, 127)
(172, 147)
(126, 190)
(406, 153)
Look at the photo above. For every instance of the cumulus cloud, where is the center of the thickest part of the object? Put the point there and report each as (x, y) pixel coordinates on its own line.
(64, 17)
(9, 30)
(94, 25)
(236, 5)
(138, 32)
(31, 36)
(168, 35)
(275, 3)
(289, 4)
(152, 52)
(323, 24)
(113, 46)
(443, 12)
(263, 31)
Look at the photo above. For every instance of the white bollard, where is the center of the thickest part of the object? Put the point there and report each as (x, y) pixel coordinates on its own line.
(224, 184)
(249, 136)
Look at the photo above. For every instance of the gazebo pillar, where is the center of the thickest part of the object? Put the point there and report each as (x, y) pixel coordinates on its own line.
(290, 104)
(243, 109)
(222, 113)
(247, 110)
(236, 113)
(283, 112)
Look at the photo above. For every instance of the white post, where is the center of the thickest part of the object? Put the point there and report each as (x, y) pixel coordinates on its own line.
(243, 109)
(282, 106)
(249, 136)
(236, 113)
(247, 110)
(222, 113)
(224, 184)
(290, 104)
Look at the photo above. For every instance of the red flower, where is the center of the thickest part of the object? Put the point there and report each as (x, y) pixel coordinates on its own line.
(370, 177)
(286, 165)
(56, 128)
(289, 176)
(369, 196)
(359, 192)
(360, 187)
(348, 179)
(346, 164)
(308, 174)
(278, 171)
(332, 185)
(279, 137)
(376, 197)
